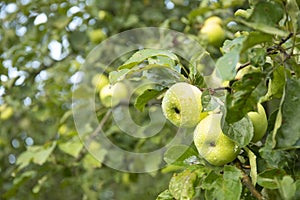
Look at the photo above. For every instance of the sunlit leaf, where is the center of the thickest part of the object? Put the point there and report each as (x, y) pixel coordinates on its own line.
(182, 185)
(290, 115)
(287, 187)
(241, 131)
(268, 177)
(145, 97)
(144, 54)
(165, 195)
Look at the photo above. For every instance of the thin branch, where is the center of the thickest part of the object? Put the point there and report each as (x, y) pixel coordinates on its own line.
(101, 124)
(213, 90)
(243, 66)
(246, 180)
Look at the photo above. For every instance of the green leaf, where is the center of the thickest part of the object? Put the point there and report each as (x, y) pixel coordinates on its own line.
(209, 181)
(225, 187)
(244, 97)
(255, 38)
(297, 195)
(198, 12)
(232, 185)
(241, 131)
(216, 191)
(273, 157)
(226, 65)
(200, 64)
(253, 165)
(18, 182)
(36, 189)
(163, 76)
(209, 102)
(159, 74)
(119, 75)
(165, 195)
(78, 40)
(61, 21)
(287, 187)
(165, 61)
(144, 54)
(90, 162)
(72, 147)
(145, 97)
(35, 154)
(181, 155)
(264, 28)
(267, 12)
(268, 177)
(257, 56)
(292, 9)
(233, 45)
(182, 185)
(276, 83)
(290, 115)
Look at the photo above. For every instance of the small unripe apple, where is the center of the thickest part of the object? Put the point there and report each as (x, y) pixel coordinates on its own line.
(112, 95)
(6, 112)
(214, 34)
(99, 81)
(260, 123)
(182, 106)
(213, 20)
(96, 36)
(212, 144)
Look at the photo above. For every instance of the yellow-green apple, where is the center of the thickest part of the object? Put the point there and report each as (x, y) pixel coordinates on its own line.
(96, 36)
(213, 31)
(182, 106)
(99, 81)
(259, 121)
(212, 144)
(213, 20)
(112, 95)
(6, 112)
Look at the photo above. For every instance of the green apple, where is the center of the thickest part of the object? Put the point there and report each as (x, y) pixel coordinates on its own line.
(96, 36)
(212, 144)
(182, 106)
(6, 112)
(99, 81)
(213, 20)
(214, 33)
(260, 122)
(112, 95)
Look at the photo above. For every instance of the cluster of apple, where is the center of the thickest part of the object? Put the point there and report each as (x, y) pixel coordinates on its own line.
(110, 95)
(212, 30)
(182, 106)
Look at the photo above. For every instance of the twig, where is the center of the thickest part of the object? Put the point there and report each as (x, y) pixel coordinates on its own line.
(283, 40)
(213, 90)
(246, 180)
(243, 66)
(101, 124)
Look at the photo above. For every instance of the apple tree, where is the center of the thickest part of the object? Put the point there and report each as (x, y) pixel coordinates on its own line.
(256, 110)
(175, 99)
